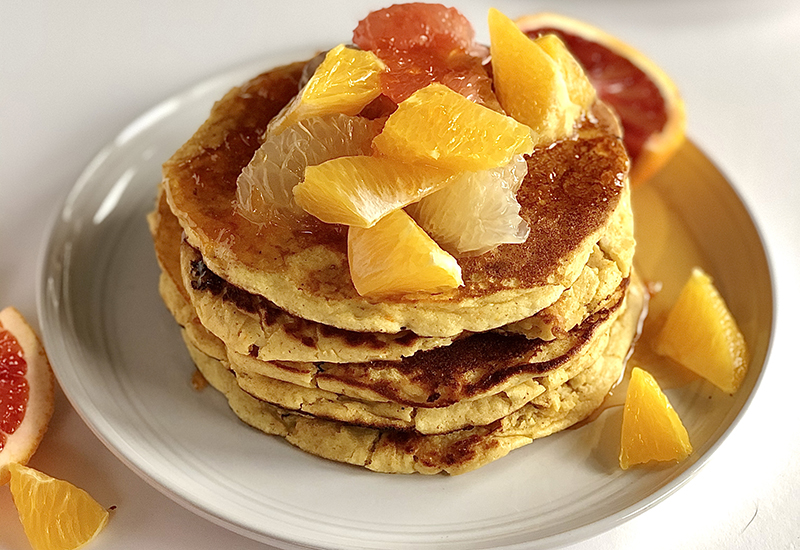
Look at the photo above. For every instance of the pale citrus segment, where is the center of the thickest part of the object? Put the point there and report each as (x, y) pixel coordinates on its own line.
(701, 334)
(26, 391)
(477, 211)
(396, 256)
(266, 183)
(651, 428)
(439, 126)
(55, 514)
(360, 190)
(345, 81)
(643, 95)
(541, 86)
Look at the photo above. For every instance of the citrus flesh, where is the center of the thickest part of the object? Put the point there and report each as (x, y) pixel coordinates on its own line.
(360, 190)
(644, 97)
(346, 81)
(55, 514)
(537, 81)
(266, 183)
(438, 126)
(701, 334)
(651, 428)
(26, 391)
(396, 256)
(477, 212)
(424, 43)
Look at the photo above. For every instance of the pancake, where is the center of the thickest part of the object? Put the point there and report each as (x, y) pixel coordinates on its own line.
(568, 198)
(456, 452)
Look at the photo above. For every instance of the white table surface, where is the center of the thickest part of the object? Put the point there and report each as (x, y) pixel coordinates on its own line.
(73, 74)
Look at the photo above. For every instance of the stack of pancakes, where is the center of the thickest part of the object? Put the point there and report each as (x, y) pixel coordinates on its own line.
(429, 383)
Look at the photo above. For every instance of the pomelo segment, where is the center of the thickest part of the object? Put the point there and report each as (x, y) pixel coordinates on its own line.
(55, 514)
(647, 101)
(265, 185)
(477, 212)
(701, 334)
(360, 190)
(396, 256)
(651, 429)
(26, 391)
(438, 126)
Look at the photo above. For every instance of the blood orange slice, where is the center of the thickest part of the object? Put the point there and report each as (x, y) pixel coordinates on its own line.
(645, 98)
(26, 391)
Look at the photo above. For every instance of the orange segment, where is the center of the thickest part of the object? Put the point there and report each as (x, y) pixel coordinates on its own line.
(537, 82)
(701, 334)
(360, 190)
(439, 126)
(395, 256)
(346, 80)
(26, 391)
(645, 98)
(55, 514)
(651, 429)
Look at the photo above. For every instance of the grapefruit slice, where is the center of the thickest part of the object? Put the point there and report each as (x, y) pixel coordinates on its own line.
(26, 391)
(645, 98)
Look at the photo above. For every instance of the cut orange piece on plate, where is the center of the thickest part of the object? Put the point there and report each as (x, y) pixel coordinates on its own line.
(643, 95)
(346, 80)
(441, 127)
(26, 391)
(701, 334)
(651, 429)
(55, 514)
(360, 190)
(396, 256)
(538, 82)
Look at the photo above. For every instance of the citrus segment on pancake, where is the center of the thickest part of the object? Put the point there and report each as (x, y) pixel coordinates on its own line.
(537, 81)
(438, 126)
(651, 428)
(424, 43)
(477, 211)
(360, 190)
(55, 514)
(26, 391)
(265, 185)
(346, 81)
(701, 334)
(396, 256)
(644, 97)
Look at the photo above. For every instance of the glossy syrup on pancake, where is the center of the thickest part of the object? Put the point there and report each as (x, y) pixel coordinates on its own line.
(300, 263)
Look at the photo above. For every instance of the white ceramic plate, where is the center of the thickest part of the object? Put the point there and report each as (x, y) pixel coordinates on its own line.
(120, 360)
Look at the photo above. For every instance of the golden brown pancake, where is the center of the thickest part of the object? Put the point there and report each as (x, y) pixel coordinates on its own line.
(568, 197)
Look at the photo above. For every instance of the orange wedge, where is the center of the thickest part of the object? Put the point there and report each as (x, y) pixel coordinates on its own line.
(651, 429)
(643, 95)
(538, 82)
(55, 514)
(360, 190)
(346, 80)
(701, 334)
(396, 256)
(439, 126)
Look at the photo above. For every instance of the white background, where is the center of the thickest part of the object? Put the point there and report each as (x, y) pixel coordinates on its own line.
(73, 74)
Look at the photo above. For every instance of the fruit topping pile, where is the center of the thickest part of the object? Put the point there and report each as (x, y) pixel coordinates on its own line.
(402, 139)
